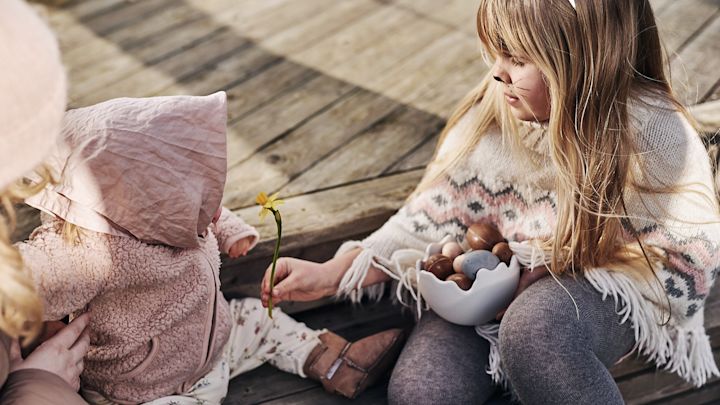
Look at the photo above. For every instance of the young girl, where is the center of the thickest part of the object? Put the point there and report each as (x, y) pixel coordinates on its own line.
(574, 147)
(135, 235)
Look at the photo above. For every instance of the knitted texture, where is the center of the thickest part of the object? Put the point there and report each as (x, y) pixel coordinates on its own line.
(159, 320)
(511, 185)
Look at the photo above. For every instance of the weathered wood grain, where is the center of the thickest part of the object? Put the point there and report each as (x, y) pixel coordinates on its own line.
(371, 153)
(353, 209)
(289, 109)
(681, 19)
(693, 75)
(271, 168)
(648, 387)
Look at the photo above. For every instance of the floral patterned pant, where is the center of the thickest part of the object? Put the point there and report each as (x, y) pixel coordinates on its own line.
(254, 339)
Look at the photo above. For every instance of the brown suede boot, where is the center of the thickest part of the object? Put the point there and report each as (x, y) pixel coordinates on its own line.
(347, 368)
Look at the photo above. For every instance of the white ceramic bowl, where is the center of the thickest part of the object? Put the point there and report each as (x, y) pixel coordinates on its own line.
(491, 292)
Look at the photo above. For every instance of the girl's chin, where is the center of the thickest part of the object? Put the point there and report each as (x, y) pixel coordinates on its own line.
(524, 115)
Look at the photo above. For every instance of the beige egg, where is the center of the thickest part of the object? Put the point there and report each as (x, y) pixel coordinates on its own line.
(458, 262)
(451, 250)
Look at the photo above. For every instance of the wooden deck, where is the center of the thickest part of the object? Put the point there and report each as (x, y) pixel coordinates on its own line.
(336, 104)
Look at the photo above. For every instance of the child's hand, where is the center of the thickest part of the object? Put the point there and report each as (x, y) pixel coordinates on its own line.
(241, 247)
(299, 280)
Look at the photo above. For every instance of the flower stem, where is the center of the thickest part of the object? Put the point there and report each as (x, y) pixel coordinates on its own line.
(278, 222)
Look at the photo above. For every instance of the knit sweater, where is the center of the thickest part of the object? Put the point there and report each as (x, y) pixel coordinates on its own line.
(159, 320)
(511, 185)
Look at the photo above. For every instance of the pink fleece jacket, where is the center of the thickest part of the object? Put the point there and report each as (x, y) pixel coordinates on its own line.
(159, 319)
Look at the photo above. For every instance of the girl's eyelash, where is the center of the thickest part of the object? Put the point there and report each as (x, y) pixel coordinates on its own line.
(516, 62)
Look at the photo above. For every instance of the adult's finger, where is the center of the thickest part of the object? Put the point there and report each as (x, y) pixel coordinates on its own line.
(71, 333)
(78, 350)
(282, 271)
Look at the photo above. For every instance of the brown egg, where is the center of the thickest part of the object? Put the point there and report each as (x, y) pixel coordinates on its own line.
(483, 236)
(452, 250)
(503, 252)
(439, 265)
(461, 280)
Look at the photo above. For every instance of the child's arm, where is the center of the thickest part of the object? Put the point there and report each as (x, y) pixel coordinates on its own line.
(235, 237)
(66, 277)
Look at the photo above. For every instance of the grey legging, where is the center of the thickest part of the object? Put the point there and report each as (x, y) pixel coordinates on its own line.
(550, 356)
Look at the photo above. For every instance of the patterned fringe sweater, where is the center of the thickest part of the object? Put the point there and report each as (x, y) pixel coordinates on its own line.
(511, 184)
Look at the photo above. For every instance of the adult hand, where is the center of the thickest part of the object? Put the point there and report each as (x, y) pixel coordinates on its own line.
(62, 354)
(527, 278)
(299, 280)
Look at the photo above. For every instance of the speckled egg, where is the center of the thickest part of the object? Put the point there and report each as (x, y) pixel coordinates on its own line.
(476, 260)
(483, 236)
(503, 252)
(439, 265)
(461, 280)
(451, 250)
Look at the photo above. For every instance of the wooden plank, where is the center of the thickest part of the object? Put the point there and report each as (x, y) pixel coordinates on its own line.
(416, 158)
(164, 74)
(695, 67)
(105, 23)
(95, 77)
(679, 21)
(253, 93)
(226, 72)
(659, 5)
(273, 119)
(322, 24)
(371, 153)
(134, 36)
(273, 167)
(396, 45)
(708, 394)
(648, 387)
(374, 395)
(335, 50)
(330, 215)
(89, 8)
(94, 82)
(28, 218)
(458, 14)
(428, 79)
(272, 20)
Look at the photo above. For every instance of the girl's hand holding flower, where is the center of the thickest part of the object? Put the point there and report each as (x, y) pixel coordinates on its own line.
(299, 280)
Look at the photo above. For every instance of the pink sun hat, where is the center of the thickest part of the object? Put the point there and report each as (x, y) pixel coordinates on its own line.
(32, 90)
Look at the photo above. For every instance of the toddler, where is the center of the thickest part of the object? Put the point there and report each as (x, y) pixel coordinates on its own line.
(134, 234)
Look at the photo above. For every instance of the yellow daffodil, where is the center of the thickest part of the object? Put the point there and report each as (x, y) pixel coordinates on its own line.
(270, 204)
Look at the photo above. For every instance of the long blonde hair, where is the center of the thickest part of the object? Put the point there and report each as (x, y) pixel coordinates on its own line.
(21, 310)
(595, 59)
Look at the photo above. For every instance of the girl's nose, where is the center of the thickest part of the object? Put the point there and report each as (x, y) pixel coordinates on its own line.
(500, 74)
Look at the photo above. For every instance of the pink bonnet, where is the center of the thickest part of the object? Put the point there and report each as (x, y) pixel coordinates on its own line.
(153, 168)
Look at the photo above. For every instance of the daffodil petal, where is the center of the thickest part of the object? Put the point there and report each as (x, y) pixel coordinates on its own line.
(261, 198)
